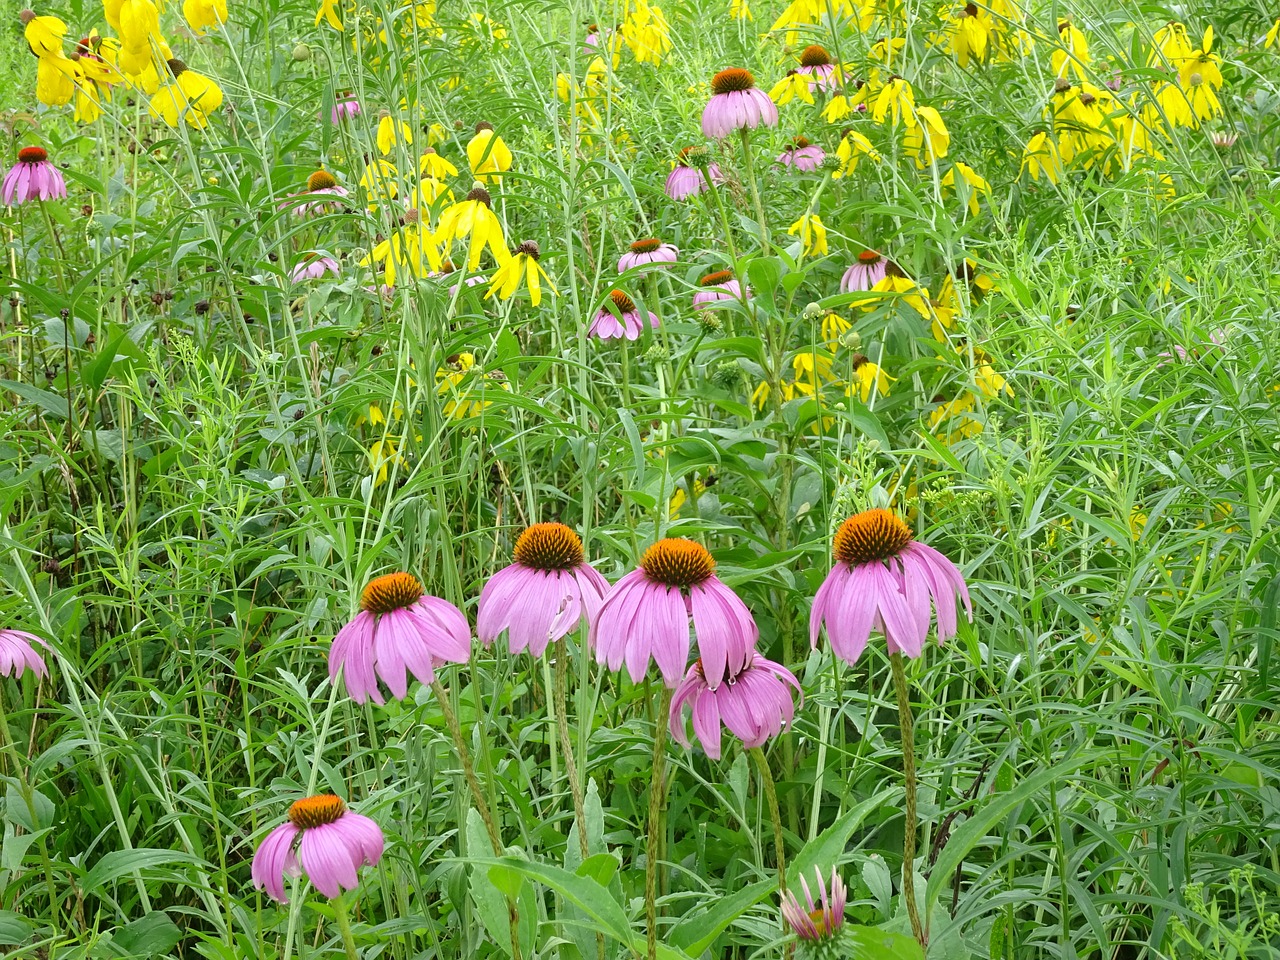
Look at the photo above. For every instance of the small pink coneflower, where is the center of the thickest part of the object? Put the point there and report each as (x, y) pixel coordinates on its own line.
(544, 595)
(754, 703)
(313, 267)
(686, 179)
(736, 104)
(344, 108)
(1224, 139)
(815, 63)
(819, 919)
(324, 839)
(33, 177)
(865, 272)
(19, 653)
(629, 323)
(399, 630)
(802, 155)
(648, 251)
(716, 288)
(884, 580)
(322, 195)
(1217, 338)
(647, 613)
(468, 282)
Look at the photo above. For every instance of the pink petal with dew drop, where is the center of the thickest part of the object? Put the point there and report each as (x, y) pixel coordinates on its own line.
(689, 688)
(329, 858)
(706, 722)
(273, 859)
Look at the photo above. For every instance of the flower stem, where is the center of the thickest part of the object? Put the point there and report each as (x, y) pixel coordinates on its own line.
(477, 794)
(771, 795)
(755, 190)
(566, 743)
(657, 788)
(909, 776)
(344, 927)
(28, 795)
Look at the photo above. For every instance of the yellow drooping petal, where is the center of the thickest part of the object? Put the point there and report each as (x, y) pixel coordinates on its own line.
(45, 35)
(488, 155)
(813, 235)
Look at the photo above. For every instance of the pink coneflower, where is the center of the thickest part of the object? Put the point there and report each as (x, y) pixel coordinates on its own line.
(753, 703)
(344, 108)
(399, 630)
(323, 838)
(33, 177)
(18, 653)
(803, 155)
(687, 179)
(820, 919)
(716, 288)
(313, 267)
(1216, 339)
(314, 201)
(544, 595)
(884, 580)
(629, 323)
(468, 282)
(815, 63)
(736, 104)
(648, 251)
(865, 272)
(1224, 139)
(646, 615)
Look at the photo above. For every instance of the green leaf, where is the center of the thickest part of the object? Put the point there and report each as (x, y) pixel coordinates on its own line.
(119, 863)
(490, 902)
(15, 929)
(601, 868)
(881, 944)
(604, 912)
(49, 402)
(154, 935)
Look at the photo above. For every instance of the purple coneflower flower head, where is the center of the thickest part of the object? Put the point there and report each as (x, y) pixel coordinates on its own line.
(344, 108)
(629, 323)
(1224, 139)
(687, 179)
(815, 63)
(544, 595)
(802, 155)
(324, 839)
(884, 580)
(313, 267)
(399, 630)
(754, 703)
(33, 177)
(646, 615)
(865, 272)
(819, 919)
(19, 653)
(736, 104)
(648, 251)
(716, 288)
(1216, 339)
(315, 200)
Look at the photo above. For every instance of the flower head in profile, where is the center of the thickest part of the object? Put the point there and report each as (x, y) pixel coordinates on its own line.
(345, 107)
(204, 15)
(813, 235)
(883, 579)
(648, 251)
(19, 652)
(523, 265)
(322, 195)
(392, 131)
(1040, 158)
(488, 154)
(717, 287)
(33, 177)
(865, 272)
(801, 155)
(544, 594)
(474, 218)
(399, 630)
(867, 377)
(815, 63)
(793, 86)
(755, 704)
(321, 838)
(620, 317)
(896, 102)
(687, 177)
(646, 616)
(853, 147)
(821, 919)
(736, 104)
(314, 266)
(191, 96)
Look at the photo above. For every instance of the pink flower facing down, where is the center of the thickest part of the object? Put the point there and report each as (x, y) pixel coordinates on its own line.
(815, 63)
(629, 323)
(754, 703)
(399, 630)
(716, 288)
(884, 580)
(344, 108)
(324, 839)
(646, 615)
(864, 273)
(650, 251)
(687, 179)
(820, 919)
(33, 177)
(736, 104)
(313, 267)
(544, 595)
(803, 156)
(19, 653)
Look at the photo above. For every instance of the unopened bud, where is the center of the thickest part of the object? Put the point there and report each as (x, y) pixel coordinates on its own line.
(301, 52)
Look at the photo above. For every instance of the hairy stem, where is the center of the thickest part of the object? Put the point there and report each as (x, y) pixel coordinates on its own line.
(771, 795)
(909, 777)
(657, 787)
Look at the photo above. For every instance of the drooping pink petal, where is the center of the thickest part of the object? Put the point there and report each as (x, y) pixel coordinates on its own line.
(706, 723)
(326, 854)
(724, 627)
(271, 860)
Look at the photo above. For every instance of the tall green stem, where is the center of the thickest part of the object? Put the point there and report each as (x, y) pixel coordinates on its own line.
(771, 795)
(344, 927)
(657, 789)
(477, 794)
(750, 166)
(566, 743)
(909, 777)
(29, 798)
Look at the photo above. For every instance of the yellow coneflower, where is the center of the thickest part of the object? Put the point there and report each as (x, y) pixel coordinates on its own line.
(391, 130)
(1072, 52)
(191, 96)
(904, 288)
(1200, 78)
(522, 265)
(1171, 105)
(700, 486)
(380, 181)
(739, 10)
(813, 235)
(458, 381)
(55, 80)
(974, 184)
(896, 101)
(1040, 157)
(645, 31)
(853, 147)
(971, 30)
(1172, 46)
(950, 421)
(204, 15)
(929, 140)
(328, 13)
(431, 164)
(791, 86)
(833, 329)
(488, 155)
(475, 220)
(989, 383)
(867, 376)
(44, 35)
(382, 454)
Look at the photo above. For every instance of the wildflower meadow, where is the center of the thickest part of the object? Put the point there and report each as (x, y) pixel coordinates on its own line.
(655, 479)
